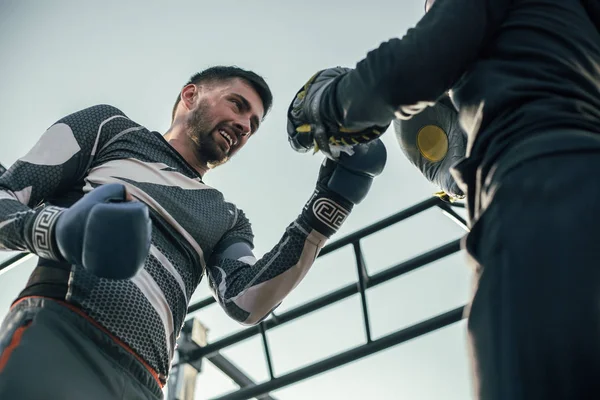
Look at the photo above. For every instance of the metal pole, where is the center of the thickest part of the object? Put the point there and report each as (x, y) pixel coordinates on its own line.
(13, 261)
(351, 355)
(229, 369)
(363, 278)
(321, 302)
(382, 224)
(353, 237)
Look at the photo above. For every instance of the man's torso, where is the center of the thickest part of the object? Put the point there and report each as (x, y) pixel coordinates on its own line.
(539, 72)
(189, 219)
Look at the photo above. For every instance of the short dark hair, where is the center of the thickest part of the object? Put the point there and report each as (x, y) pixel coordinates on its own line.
(223, 73)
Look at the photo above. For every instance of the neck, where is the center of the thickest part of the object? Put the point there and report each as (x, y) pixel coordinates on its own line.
(184, 146)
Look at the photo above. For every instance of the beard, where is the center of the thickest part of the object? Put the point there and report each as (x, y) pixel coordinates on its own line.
(201, 130)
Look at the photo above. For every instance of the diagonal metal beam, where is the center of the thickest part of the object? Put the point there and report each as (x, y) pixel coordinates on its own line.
(349, 356)
(233, 372)
(326, 300)
(354, 237)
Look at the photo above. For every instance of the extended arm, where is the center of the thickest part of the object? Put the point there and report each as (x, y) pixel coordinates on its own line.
(397, 80)
(247, 288)
(404, 75)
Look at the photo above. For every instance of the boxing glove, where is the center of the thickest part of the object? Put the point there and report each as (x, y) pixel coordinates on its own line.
(311, 118)
(343, 183)
(104, 233)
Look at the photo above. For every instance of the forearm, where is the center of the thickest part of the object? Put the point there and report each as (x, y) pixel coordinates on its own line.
(26, 229)
(249, 289)
(58, 160)
(402, 76)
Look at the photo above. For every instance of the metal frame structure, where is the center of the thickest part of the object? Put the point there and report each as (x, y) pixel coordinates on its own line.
(364, 282)
(194, 347)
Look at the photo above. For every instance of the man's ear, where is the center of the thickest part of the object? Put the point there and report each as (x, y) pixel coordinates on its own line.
(188, 96)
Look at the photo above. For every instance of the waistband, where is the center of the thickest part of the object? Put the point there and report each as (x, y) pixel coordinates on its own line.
(111, 345)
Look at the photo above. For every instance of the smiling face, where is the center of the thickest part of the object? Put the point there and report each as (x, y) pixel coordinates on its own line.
(222, 117)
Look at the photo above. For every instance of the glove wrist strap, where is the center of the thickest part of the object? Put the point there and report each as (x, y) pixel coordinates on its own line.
(42, 234)
(325, 212)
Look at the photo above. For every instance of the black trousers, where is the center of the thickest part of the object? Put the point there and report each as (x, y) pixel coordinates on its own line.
(534, 320)
(49, 352)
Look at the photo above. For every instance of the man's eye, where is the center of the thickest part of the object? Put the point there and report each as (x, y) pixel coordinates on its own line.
(237, 103)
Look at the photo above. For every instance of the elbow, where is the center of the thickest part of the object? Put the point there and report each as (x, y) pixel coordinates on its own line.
(259, 314)
(251, 313)
(254, 319)
(248, 313)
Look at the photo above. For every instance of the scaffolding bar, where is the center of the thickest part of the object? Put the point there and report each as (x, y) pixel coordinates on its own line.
(326, 300)
(201, 304)
(362, 286)
(11, 261)
(453, 215)
(382, 224)
(356, 353)
(353, 237)
(266, 348)
(232, 371)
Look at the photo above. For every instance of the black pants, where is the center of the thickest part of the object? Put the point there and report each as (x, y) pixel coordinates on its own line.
(49, 352)
(534, 320)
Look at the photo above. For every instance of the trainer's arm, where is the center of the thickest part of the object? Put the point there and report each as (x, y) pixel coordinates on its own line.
(402, 76)
(56, 162)
(249, 289)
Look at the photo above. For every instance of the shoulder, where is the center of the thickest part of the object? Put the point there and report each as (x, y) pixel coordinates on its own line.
(97, 120)
(94, 114)
(241, 224)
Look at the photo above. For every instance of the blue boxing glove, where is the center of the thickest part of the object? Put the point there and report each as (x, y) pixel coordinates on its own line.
(104, 233)
(433, 141)
(343, 183)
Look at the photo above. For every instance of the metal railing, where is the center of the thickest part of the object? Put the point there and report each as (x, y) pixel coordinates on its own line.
(364, 282)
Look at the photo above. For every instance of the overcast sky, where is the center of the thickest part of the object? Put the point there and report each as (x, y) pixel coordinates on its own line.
(61, 56)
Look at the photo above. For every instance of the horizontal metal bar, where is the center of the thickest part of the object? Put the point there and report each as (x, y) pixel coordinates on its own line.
(201, 304)
(382, 224)
(328, 299)
(12, 261)
(454, 216)
(236, 375)
(353, 237)
(348, 356)
(414, 263)
(457, 204)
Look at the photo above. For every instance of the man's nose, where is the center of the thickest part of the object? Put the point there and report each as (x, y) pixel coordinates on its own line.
(243, 126)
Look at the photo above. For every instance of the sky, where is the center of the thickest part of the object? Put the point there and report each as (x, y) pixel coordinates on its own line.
(61, 56)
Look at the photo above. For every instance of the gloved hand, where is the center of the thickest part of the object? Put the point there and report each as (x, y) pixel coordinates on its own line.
(343, 183)
(312, 118)
(106, 234)
(433, 141)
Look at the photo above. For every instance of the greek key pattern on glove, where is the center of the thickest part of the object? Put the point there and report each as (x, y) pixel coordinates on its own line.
(325, 214)
(329, 213)
(42, 232)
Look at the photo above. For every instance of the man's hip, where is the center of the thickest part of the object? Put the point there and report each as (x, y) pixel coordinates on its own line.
(48, 350)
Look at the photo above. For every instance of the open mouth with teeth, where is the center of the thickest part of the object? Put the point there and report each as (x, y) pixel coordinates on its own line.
(230, 139)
